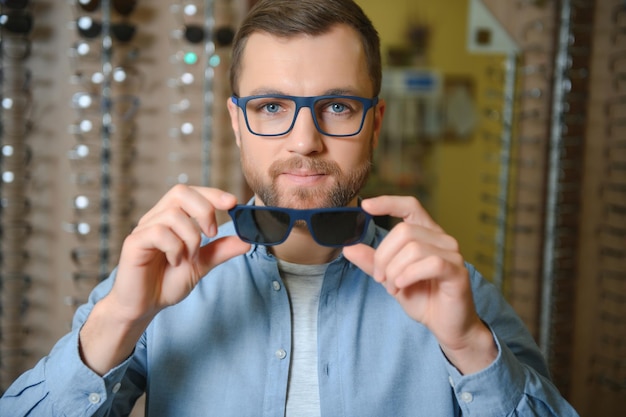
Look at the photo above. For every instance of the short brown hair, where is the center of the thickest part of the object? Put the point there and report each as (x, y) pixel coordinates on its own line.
(287, 18)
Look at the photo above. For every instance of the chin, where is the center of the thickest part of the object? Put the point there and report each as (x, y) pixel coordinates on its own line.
(304, 198)
(298, 202)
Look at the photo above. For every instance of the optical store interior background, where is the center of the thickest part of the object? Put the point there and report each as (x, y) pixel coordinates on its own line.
(506, 118)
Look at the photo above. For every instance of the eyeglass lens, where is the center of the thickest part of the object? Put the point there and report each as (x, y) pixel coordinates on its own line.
(275, 116)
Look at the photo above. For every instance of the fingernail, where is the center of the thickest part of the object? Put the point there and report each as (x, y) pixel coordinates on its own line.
(212, 230)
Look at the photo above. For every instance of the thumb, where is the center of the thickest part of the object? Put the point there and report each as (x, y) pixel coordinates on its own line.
(221, 250)
(362, 256)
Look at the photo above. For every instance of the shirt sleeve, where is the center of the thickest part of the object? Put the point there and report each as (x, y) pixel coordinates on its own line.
(517, 383)
(60, 384)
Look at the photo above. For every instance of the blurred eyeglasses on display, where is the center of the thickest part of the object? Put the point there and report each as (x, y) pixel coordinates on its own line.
(122, 7)
(90, 28)
(17, 22)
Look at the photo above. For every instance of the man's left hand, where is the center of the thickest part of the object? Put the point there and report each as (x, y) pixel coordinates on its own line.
(421, 266)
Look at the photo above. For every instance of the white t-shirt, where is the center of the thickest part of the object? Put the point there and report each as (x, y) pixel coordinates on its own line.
(303, 283)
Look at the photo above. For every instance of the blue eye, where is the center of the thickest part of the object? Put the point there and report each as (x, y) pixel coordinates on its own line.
(271, 107)
(338, 107)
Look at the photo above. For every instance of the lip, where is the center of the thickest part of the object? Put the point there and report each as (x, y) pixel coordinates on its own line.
(303, 177)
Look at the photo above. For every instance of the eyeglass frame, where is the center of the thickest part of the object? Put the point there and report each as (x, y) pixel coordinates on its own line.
(300, 102)
(305, 215)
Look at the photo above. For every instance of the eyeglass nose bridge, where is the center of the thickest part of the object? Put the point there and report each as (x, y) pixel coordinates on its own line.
(301, 103)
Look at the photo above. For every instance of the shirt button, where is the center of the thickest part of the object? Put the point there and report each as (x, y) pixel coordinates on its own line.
(116, 387)
(94, 398)
(281, 354)
(467, 397)
(276, 285)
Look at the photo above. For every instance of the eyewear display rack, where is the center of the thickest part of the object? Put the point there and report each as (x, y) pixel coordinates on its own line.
(563, 268)
(599, 344)
(564, 184)
(16, 98)
(105, 101)
(96, 136)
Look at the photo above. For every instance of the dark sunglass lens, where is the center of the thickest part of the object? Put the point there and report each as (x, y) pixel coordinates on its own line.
(338, 228)
(123, 32)
(15, 4)
(17, 22)
(266, 227)
(124, 7)
(224, 36)
(194, 33)
(88, 28)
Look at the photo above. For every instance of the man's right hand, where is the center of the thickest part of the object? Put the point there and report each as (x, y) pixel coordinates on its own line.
(160, 264)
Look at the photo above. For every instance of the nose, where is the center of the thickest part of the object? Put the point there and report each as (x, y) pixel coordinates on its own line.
(304, 138)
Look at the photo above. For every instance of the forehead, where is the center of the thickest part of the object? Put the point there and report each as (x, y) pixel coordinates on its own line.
(305, 64)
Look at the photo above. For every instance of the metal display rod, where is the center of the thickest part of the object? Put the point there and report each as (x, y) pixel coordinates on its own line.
(107, 127)
(208, 100)
(553, 186)
(505, 169)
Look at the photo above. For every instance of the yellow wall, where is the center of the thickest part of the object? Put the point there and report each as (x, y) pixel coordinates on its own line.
(455, 166)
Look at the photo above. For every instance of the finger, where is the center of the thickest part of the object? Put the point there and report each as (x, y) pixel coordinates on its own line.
(144, 242)
(403, 233)
(429, 268)
(396, 240)
(408, 209)
(198, 203)
(408, 255)
(404, 266)
(204, 213)
(389, 265)
(186, 229)
(362, 256)
(220, 199)
(221, 250)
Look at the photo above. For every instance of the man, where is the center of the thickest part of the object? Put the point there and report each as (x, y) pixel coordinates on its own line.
(217, 326)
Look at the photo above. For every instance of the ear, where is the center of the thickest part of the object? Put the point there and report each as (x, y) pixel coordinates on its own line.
(379, 112)
(233, 111)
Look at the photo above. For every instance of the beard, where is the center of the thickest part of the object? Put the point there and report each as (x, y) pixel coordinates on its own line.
(340, 193)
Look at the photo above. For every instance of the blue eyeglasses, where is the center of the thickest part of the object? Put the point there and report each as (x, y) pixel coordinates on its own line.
(333, 115)
(334, 227)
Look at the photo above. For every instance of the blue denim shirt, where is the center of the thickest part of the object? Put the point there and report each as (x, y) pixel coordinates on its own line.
(225, 351)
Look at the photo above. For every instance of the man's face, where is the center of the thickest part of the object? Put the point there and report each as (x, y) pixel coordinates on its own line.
(304, 168)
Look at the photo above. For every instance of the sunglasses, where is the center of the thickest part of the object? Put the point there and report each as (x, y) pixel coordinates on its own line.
(90, 28)
(14, 4)
(17, 22)
(334, 227)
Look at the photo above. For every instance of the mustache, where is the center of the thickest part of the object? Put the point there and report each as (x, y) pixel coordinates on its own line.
(320, 166)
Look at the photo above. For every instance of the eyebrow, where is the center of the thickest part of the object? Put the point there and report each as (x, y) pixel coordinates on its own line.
(332, 92)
